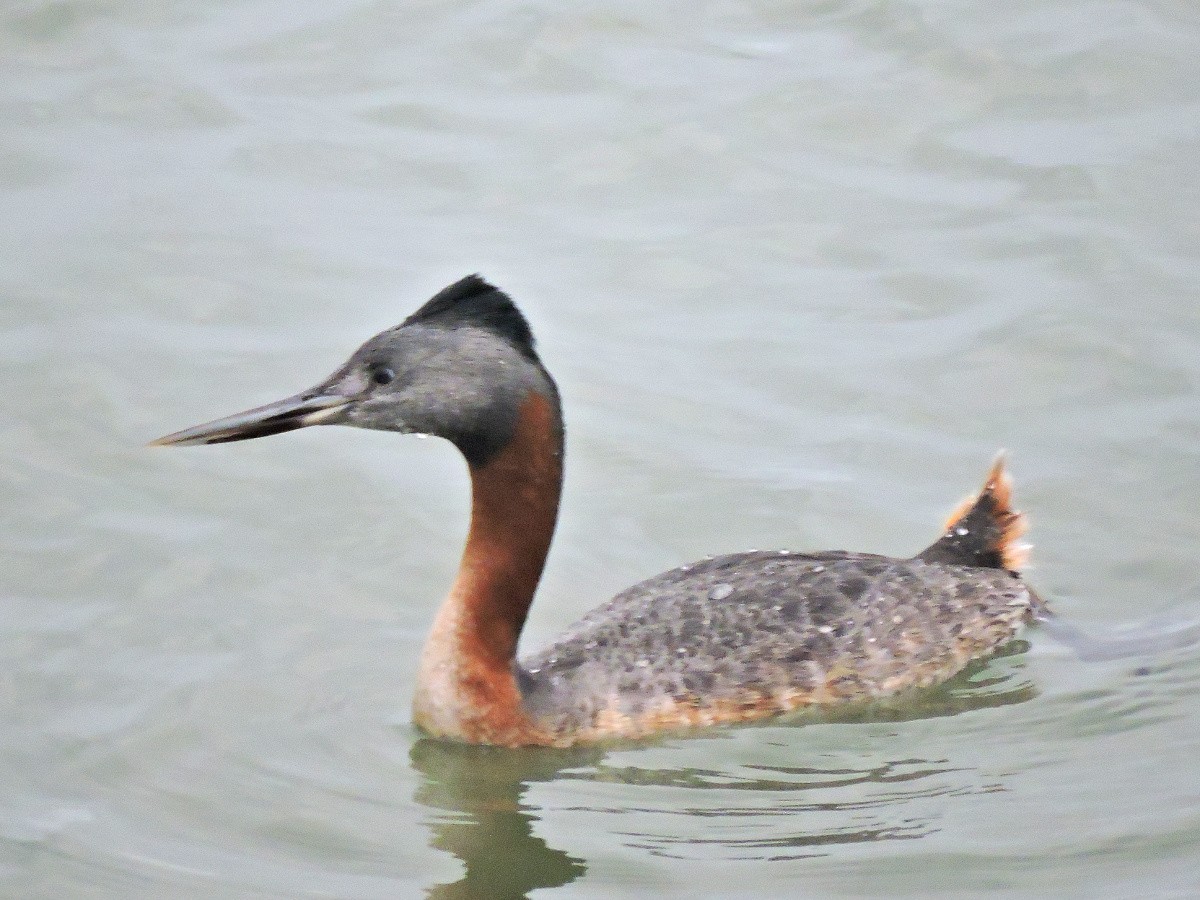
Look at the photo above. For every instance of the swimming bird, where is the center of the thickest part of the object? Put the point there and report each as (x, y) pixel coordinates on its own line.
(728, 639)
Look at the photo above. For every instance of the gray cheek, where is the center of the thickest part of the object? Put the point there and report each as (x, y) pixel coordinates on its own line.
(378, 414)
(419, 409)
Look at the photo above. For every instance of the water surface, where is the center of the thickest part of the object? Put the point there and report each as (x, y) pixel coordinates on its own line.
(800, 269)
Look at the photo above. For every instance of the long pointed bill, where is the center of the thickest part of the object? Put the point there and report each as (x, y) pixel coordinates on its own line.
(274, 418)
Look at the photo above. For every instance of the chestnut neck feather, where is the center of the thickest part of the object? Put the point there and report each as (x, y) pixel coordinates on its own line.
(514, 506)
(467, 685)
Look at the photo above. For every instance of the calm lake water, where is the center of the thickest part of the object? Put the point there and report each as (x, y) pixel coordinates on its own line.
(800, 270)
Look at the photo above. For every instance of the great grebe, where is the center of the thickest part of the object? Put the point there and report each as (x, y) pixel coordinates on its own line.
(728, 639)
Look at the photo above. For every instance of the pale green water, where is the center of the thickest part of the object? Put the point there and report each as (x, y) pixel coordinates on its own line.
(799, 269)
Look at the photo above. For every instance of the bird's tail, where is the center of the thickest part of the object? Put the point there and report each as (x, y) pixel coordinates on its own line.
(985, 530)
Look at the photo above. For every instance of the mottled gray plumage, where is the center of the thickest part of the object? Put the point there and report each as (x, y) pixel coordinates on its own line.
(759, 629)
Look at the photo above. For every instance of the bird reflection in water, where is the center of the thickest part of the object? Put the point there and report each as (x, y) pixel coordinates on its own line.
(477, 793)
(480, 815)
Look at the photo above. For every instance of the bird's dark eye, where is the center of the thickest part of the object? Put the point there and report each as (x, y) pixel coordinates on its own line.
(382, 375)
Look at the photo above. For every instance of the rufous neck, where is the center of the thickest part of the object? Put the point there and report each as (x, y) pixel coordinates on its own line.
(514, 507)
(466, 685)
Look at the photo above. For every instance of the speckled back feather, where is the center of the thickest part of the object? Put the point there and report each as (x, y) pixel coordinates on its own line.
(749, 635)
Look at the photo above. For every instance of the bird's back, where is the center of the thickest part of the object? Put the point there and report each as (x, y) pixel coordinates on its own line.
(748, 635)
